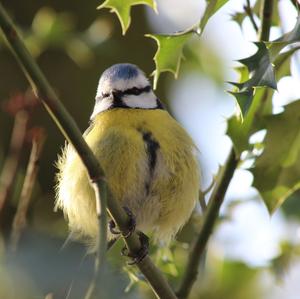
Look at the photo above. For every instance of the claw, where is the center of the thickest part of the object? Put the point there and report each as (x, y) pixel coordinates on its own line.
(141, 254)
(131, 225)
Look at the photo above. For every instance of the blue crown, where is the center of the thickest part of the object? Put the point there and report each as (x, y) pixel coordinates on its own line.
(124, 71)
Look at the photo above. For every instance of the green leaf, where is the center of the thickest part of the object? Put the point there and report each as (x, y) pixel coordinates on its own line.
(122, 9)
(239, 17)
(283, 63)
(169, 53)
(240, 131)
(277, 170)
(212, 7)
(261, 65)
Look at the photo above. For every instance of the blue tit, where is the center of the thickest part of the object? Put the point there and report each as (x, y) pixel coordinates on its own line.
(148, 159)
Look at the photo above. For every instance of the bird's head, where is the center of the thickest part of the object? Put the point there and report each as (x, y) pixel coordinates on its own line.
(124, 85)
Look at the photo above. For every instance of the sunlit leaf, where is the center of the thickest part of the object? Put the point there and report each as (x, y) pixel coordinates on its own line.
(240, 130)
(277, 170)
(263, 67)
(212, 7)
(169, 53)
(122, 9)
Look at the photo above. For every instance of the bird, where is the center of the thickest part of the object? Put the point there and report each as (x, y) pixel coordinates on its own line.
(149, 161)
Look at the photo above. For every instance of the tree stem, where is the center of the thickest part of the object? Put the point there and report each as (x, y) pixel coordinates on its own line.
(212, 212)
(266, 11)
(70, 130)
(224, 177)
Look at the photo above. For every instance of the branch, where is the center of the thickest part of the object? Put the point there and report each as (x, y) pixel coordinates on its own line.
(249, 13)
(11, 163)
(19, 221)
(224, 177)
(212, 212)
(72, 133)
(266, 11)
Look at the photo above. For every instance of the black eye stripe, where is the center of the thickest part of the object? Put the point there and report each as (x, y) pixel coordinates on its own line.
(137, 91)
(130, 91)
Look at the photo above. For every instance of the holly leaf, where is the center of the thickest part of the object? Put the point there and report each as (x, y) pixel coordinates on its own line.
(123, 8)
(239, 17)
(239, 129)
(277, 171)
(211, 8)
(169, 53)
(261, 67)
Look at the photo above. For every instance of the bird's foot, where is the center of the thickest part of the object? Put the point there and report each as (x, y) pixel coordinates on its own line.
(141, 253)
(130, 228)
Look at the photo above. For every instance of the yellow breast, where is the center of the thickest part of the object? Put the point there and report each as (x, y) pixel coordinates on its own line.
(150, 165)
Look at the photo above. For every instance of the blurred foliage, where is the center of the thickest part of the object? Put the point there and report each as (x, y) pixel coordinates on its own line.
(57, 30)
(73, 43)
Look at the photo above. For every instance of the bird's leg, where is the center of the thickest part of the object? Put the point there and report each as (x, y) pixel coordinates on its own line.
(130, 228)
(142, 252)
(144, 240)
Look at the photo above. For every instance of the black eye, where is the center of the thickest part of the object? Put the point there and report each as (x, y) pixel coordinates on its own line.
(135, 91)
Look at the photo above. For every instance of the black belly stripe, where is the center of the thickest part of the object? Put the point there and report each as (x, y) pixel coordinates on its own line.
(152, 147)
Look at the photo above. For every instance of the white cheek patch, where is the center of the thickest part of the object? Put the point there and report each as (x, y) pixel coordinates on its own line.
(102, 105)
(146, 100)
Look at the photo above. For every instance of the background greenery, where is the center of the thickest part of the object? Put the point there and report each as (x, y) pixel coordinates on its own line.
(73, 43)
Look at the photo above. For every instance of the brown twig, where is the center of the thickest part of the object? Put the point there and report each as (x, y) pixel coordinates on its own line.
(19, 222)
(12, 161)
(248, 11)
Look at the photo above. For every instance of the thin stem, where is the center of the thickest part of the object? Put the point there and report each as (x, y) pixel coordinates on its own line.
(19, 221)
(11, 163)
(212, 212)
(266, 11)
(224, 177)
(72, 133)
(248, 11)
